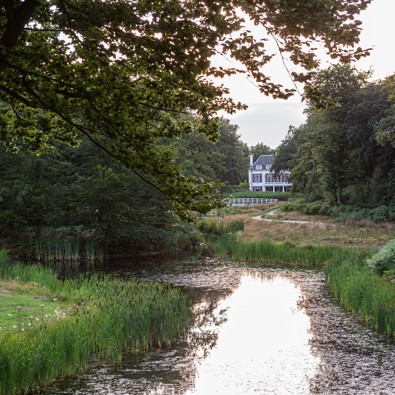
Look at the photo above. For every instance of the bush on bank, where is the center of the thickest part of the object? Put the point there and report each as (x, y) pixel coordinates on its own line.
(383, 263)
(109, 317)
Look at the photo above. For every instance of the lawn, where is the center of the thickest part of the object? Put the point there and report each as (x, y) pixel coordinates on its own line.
(23, 304)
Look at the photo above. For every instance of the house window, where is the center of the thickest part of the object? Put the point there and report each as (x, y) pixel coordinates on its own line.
(269, 178)
(257, 178)
(257, 189)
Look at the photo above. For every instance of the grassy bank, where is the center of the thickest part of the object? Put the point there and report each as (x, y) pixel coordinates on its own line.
(368, 296)
(93, 318)
(266, 250)
(344, 258)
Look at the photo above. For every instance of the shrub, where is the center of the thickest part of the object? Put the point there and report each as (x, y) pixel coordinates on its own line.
(379, 214)
(235, 226)
(317, 208)
(384, 260)
(294, 205)
(216, 228)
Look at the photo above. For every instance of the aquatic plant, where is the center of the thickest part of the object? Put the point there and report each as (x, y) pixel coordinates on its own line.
(366, 295)
(108, 317)
(229, 246)
(216, 228)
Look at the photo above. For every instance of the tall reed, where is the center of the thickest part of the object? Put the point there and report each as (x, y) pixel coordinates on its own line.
(229, 246)
(365, 294)
(109, 317)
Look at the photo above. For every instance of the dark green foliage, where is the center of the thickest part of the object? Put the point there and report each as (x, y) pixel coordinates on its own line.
(125, 73)
(348, 212)
(226, 161)
(384, 260)
(338, 155)
(294, 205)
(81, 193)
(260, 149)
(318, 208)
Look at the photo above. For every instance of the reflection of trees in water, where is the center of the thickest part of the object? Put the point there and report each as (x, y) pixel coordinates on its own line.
(203, 335)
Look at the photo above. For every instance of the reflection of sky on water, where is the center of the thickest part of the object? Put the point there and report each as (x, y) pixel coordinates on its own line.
(263, 344)
(250, 336)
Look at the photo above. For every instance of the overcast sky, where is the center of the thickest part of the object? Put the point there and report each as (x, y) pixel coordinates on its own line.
(267, 120)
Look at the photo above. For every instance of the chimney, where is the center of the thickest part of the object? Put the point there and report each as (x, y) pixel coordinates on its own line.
(251, 159)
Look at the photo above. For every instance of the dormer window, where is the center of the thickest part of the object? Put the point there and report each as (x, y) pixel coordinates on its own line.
(268, 167)
(259, 167)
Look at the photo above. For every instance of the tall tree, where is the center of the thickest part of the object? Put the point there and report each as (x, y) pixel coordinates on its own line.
(336, 153)
(225, 162)
(261, 149)
(122, 72)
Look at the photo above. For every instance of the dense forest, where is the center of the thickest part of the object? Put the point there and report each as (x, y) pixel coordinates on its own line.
(83, 193)
(344, 153)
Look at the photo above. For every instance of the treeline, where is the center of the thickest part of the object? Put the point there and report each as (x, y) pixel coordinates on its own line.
(82, 193)
(344, 154)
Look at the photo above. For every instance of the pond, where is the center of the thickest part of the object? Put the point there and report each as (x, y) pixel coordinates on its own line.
(256, 331)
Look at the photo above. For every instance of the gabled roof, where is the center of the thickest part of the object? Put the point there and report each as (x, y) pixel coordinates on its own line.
(262, 162)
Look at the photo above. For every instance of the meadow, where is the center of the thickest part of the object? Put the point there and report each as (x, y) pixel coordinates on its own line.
(53, 328)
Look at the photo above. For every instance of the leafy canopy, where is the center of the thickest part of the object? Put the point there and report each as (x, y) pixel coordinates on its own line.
(124, 72)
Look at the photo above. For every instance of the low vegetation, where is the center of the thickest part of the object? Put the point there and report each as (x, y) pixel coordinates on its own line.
(286, 252)
(303, 229)
(59, 326)
(342, 212)
(370, 297)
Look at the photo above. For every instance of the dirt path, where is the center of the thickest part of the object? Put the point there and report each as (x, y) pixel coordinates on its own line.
(271, 213)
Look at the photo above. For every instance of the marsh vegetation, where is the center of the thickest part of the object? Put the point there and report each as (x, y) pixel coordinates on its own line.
(58, 326)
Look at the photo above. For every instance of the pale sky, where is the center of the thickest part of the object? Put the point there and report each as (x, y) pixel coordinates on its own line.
(267, 120)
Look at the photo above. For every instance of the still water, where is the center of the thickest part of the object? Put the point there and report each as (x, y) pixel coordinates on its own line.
(256, 331)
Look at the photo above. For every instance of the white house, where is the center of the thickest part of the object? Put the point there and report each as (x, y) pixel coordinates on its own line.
(261, 178)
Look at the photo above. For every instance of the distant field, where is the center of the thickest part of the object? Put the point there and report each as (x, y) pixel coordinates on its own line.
(322, 230)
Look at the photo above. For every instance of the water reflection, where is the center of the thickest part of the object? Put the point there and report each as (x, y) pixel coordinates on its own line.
(264, 342)
(257, 331)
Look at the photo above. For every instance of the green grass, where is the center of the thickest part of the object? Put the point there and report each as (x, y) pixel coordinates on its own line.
(229, 246)
(366, 295)
(20, 308)
(106, 316)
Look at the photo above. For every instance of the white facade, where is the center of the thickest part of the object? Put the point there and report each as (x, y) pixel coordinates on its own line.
(261, 178)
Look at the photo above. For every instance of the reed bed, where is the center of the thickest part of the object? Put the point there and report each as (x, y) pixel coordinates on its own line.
(108, 317)
(228, 246)
(368, 296)
(66, 254)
